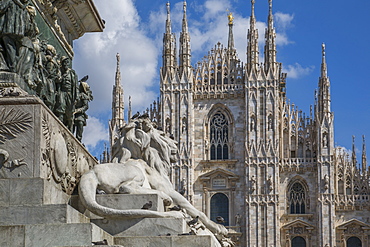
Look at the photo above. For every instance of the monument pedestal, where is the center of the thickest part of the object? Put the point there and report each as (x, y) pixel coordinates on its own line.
(41, 163)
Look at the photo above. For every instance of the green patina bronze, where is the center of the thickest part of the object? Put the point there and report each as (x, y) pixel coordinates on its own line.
(30, 49)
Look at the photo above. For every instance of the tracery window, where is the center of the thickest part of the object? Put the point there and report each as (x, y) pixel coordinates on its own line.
(219, 137)
(297, 199)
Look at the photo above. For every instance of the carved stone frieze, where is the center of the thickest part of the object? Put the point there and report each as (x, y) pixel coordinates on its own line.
(13, 122)
(11, 91)
(61, 156)
(10, 164)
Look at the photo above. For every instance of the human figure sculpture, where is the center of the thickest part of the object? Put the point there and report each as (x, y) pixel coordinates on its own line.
(18, 30)
(66, 94)
(138, 175)
(49, 74)
(82, 104)
(13, 28)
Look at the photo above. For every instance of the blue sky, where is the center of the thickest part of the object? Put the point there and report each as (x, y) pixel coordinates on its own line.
(135, 30)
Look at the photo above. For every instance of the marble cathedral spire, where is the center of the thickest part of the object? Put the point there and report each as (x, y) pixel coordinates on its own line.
(364, 162)
(185, 51)
(169, 47)
(252, 47)
(270, 43)
(230, 43)
(354, 159)
(324, 87)
(117, 120)
(117, 95)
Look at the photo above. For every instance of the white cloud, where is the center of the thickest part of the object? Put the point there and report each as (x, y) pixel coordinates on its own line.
(283, 21)
(96, 56)
(297, 71)
(94, 132)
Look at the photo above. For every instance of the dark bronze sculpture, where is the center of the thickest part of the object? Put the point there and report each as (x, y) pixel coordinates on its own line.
(82, 104)
(66, 94)
(22, 52)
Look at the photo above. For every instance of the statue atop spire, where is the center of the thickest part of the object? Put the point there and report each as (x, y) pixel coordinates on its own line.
(168, 21)
(231, 18)
(324, 72)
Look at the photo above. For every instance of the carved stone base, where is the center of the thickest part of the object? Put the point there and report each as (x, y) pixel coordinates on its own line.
(35, 144)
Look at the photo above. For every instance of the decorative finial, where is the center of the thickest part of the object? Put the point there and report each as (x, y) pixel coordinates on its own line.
(168, 8)
(323, 49)
(230, 17)
(184, 6)
(118, 57)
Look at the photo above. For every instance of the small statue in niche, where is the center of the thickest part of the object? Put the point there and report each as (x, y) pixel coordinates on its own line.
(206, 147)
(253, 184)
(270, 123)
(270, 184)
(237, 221)
(326, 182)
(183, 186)
(82, 104)
(325, 139)
(253, 124)
(66, 94)
(184, 127)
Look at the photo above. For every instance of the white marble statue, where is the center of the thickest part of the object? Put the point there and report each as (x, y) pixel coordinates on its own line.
(140, 165)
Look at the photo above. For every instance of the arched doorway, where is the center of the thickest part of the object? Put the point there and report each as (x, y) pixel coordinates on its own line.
(354, 242)
(298, 242)
(220, 207)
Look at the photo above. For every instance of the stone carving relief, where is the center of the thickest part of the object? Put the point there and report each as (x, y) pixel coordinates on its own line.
(12, 123)
(60, 156)
(11, 92)
(12, 164)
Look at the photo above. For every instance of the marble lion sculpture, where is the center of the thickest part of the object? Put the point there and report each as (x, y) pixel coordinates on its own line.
(142, 158)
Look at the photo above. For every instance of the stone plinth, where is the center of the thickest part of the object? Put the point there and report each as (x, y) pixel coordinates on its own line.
(160, 241)
(46, 235)
(35, 144)
(142, 227)
(41, 214)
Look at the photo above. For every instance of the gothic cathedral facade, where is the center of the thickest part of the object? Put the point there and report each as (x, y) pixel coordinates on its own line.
(246, 154)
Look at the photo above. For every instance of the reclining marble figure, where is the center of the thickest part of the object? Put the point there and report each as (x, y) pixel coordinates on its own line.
(141, 159)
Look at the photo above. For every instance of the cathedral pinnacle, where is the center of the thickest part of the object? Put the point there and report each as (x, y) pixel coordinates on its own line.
(324, 72)
(252, 47)
(364, 162)
(169, 48)
(231, 35)
(168, 21)
(270, 46)
(184, 55)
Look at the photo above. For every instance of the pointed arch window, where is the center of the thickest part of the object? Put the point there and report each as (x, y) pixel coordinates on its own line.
(219, 137)
(297, 199)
